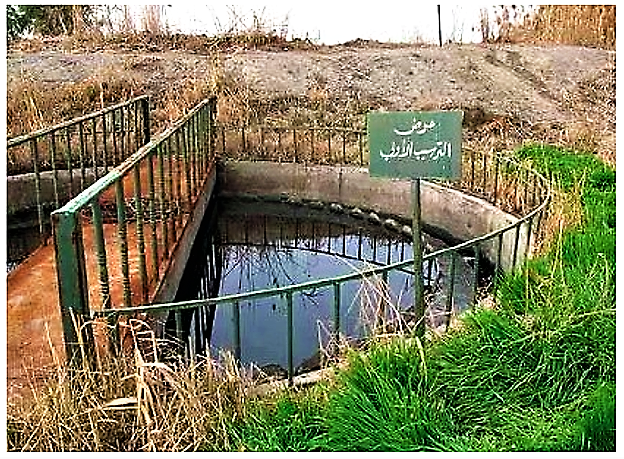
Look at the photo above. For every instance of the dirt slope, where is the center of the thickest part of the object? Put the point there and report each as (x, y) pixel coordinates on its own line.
(563, 94)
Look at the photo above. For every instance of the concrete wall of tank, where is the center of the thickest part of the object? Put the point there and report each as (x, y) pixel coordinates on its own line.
(446, 212)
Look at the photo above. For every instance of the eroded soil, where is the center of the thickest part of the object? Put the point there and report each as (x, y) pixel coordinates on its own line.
(561, 94)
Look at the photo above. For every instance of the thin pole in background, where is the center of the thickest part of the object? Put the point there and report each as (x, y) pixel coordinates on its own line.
(439, 26)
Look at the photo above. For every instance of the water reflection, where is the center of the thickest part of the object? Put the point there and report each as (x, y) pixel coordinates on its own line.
(246, 246)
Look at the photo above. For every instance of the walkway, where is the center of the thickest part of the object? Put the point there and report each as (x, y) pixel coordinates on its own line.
(34, 328)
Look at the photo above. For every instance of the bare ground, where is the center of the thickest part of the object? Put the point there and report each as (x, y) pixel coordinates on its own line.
(509, 93)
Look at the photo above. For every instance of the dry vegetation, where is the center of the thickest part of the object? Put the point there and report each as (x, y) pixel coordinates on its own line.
(583, 25)
(150, 62)
(130, 403)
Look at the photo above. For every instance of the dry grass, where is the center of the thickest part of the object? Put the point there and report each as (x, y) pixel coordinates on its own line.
(34, 104)
(130, 403)
(564, 212)
(585, 25)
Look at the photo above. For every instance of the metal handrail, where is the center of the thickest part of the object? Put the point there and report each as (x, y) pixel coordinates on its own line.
(96, 189)
(14, 141)
(168, 176)
(290, 290)
(66, 148)
(309, 285)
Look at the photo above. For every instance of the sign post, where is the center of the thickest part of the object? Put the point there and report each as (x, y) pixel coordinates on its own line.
(417, 249)
(415, 145)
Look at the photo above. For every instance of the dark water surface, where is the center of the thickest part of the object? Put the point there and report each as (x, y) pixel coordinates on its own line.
(23, 238)
(246, 246)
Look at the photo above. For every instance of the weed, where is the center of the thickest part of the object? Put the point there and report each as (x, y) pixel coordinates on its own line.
(130, 403)
(597, 425)
(289, 421)
(587, 25)
(380, 402)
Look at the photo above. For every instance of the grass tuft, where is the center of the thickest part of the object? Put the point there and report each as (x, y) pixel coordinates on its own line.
(380, 404)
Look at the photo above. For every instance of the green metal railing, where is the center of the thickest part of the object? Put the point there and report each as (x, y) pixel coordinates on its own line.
(166, 177)
(331, 144)
(335, 284)
(485, 175)
(495, 178)
(68, 157)
(122, 232)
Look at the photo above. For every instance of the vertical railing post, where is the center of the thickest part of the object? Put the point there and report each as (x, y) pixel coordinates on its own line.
(202, 134)
(496, 167)
(485, 174)
(243, 137)
(296, 159)
(336, 312)
(237, 332)
(122, 123)
(210, 132)
(82, 152)
(529, 233)
(344, 143)
(54, 169)
(475, 277)
(94, 151)
(538, 227)
(312, 145)
(329, 133)
(113, 138)
(451, 291)
(122, 232)
(164, 203)
(114, 343)
(35, 158)
(140, 233)
(105, 144)
(172, 197)
(194, 141)
(515, 248)
(68, 160)
(498, 270)
(137, 140)
(146, 119)
(472, 169)
(289, 318)
(179, 329)
(73, 289)
(100, 249)
(151, 207)
(183, 143)
(361, 148)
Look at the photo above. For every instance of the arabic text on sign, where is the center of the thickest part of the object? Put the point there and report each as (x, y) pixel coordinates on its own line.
(418, 127)
(405, 149)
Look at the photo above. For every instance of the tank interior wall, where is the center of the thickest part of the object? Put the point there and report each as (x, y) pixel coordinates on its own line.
(444, 210)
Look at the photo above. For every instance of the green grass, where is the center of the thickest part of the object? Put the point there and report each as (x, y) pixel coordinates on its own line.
(536, 374)
(286, 423)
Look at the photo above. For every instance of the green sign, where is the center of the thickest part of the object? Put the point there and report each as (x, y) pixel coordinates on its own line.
(415, 144)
